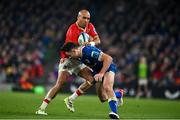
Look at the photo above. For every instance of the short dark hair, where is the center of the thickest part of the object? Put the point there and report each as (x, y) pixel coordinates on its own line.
(68, 46)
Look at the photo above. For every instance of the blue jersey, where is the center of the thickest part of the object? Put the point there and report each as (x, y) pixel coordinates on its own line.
(91, 57)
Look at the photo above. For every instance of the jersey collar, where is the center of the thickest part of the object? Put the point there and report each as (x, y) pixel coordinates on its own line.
(84, 30)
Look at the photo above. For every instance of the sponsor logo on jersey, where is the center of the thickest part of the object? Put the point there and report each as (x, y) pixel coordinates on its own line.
(95, 54)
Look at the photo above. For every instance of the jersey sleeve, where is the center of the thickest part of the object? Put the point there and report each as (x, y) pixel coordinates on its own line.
(92, 30)
(94, 53)
(69, 35)
(69, 38)
(62, 54)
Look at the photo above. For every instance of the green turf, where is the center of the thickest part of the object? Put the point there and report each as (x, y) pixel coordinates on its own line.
(24, 105)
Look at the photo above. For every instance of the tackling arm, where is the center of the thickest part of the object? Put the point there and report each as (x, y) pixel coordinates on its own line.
(96, 40)
(106, 59)
(93, 41)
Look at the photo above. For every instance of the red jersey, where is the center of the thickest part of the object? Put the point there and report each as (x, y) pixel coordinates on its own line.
(74, 31)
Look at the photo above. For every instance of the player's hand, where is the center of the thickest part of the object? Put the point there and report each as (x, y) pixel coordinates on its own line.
(62, 60)
(90, 38)
(99, 77)
(86, 43)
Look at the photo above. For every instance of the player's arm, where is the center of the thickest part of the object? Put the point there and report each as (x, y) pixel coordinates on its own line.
(93, 41)
(107, 60)
(94, 37)
(69, 38)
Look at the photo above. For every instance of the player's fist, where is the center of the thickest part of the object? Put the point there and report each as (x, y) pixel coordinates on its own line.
(86, 43)
(98, 77)
(90, 38)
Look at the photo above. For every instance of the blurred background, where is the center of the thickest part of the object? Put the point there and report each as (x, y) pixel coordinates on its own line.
(143, 37)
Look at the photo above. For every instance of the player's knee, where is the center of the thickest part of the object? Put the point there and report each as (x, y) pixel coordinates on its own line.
(103, 97)
(86, 74)
(102, 101)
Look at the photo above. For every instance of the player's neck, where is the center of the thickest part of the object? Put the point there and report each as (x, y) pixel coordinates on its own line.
(82, 28)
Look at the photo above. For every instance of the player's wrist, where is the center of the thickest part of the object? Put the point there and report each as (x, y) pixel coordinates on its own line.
(101, 73)
(92, 43)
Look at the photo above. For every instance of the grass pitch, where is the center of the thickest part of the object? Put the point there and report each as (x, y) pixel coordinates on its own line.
(24, 105)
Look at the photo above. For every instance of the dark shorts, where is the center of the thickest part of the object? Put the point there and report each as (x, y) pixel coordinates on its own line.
(111, 68)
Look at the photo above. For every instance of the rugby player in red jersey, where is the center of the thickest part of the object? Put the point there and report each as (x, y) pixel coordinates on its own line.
(67, 66)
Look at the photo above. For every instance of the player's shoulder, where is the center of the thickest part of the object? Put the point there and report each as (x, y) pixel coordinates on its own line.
(73, 26)
(90, 24)
(89, 48)
(86, 48)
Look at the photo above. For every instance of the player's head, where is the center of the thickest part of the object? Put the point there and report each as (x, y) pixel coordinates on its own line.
(83, 18)
(71, 49)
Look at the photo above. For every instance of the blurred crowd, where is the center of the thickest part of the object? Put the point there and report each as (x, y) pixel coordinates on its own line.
(147, 28)
(128, 31)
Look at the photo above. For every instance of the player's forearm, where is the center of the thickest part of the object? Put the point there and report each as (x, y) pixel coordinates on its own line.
(96, 40)
(107, 60)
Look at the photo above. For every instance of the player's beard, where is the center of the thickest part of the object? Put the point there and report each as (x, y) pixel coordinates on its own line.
(83, 25)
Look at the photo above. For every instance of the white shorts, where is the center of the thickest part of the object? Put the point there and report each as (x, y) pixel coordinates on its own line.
(71, 65)
(142, 81)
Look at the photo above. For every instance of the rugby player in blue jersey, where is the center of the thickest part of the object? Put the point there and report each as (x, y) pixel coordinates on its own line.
(103, 70)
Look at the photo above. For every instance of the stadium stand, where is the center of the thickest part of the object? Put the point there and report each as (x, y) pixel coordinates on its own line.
(128, 30)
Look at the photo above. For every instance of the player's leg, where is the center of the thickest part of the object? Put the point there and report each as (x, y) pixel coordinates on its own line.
(108, 87)
(63, 74)
(119, 95)
(87, 75)
(101, 92)
(138, 94)
(69, 100)
(62, 77)
(103, 96)
(146, 91)
(81, 89)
